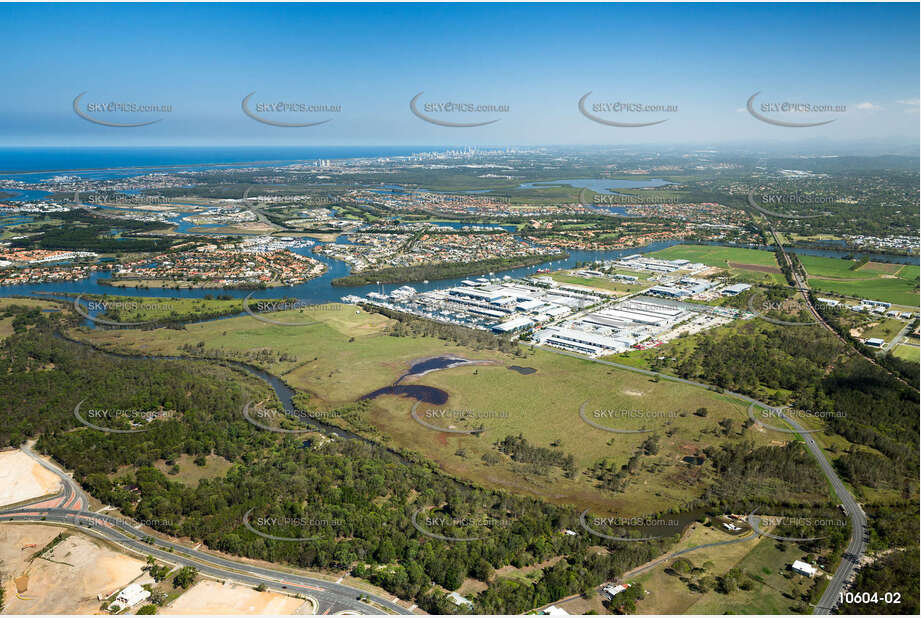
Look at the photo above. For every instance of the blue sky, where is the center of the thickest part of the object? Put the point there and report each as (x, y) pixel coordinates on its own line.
(537, 59)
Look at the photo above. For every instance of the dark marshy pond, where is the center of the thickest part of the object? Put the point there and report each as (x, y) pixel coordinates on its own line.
(419, 392)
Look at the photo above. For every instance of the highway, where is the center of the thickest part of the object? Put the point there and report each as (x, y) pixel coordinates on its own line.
(857, 545)
(332, 597)
(803, 287)
(338, 597)
(858, 518)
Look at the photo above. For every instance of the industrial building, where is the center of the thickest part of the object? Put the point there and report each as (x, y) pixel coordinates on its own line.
(642, 263)
(735, 289)
(513, 325)
(615, 328)
(583, 342)
(559, 317)
(500, 305)
(684, 287)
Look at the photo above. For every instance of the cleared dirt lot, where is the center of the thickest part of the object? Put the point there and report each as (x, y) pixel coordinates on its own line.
(69, 576)
(755, 267)
(208, 597)
(22, 478)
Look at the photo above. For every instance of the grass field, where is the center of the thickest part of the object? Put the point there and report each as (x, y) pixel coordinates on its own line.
(885, 328)
(878, 282)
(749, 265)
(192, 474)
(544, 408)
(668, 594)
(717, 256)
(350, 354)
(908, 352)
(768, 560)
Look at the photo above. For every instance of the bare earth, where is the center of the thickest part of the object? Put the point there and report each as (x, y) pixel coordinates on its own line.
(68, 578)
(21, 478)
(755, 267)
(209, 597)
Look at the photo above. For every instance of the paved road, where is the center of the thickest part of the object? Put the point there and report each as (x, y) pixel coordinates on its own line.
(803, 286)
(857, 545)
(895, 340)
(331, 596)
(337, 593)
(72, 494)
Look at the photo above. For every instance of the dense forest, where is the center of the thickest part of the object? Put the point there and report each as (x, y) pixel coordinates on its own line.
(358, 498)
(892, 574)
(859, 401)
(81, 231)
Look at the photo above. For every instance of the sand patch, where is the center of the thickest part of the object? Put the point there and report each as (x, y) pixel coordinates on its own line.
(209, 597)
(68, 578)
(22, 478)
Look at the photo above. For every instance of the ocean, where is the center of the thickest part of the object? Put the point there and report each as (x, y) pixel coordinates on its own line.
(15, 161)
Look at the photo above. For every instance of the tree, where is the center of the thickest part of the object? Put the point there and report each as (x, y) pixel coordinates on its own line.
(147, 610)
(185, 577)
(483, 571)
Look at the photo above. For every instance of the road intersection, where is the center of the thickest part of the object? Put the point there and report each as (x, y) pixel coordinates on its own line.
(70, 508)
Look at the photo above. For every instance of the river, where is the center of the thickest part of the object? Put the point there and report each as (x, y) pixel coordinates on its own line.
(319, 290)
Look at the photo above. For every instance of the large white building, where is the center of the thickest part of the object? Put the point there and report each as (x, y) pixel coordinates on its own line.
(129, 597)
(615, 328)
(735, 289)
(803, 568)
(581, 341)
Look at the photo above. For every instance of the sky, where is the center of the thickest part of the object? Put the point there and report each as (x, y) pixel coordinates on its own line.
(531, 62)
